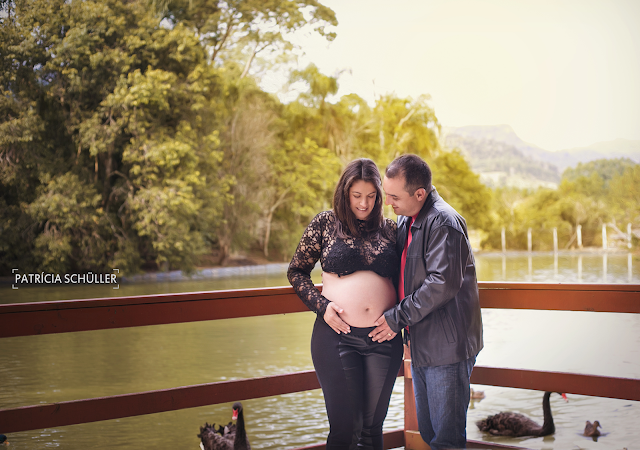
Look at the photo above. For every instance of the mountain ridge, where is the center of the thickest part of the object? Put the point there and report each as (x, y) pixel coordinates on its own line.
(502, 158)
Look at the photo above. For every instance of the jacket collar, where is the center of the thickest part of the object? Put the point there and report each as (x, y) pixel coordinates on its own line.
(422, 215)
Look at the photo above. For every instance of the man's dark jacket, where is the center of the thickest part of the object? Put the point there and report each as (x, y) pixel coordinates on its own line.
(441, 305)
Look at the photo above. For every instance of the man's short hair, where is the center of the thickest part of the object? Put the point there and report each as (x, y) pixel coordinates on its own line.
(415, 170)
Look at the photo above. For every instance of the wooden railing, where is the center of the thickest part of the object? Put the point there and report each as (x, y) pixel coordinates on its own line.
(30, 319)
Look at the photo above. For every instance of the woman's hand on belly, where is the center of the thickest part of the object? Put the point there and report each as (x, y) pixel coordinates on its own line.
(332, 318)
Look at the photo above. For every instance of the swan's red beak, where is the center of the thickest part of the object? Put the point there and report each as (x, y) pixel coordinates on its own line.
(235, 414)
(564, 396)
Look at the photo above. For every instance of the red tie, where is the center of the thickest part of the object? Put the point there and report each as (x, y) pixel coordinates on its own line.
(403, 261)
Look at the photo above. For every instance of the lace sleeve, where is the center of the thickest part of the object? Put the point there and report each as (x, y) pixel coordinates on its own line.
(303, 261)
(391, 229)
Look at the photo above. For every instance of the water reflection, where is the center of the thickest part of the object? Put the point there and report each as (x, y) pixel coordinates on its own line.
(580, 268)
(561, 267)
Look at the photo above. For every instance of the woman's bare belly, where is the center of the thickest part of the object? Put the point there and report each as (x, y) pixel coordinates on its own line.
(364, 296)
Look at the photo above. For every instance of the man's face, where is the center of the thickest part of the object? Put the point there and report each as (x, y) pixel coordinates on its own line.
(401, 201)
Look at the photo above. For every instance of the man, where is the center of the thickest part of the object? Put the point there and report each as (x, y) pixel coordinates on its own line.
(438, 301)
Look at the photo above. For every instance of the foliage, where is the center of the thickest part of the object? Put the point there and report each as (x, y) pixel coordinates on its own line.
(604, 169)
(302, 177)
(393, 126)
(247, 134)
(590, 195)
(242, 29)
(116, 113)
(76, 228)
(462, 189)
(139, 138)
(125, 142)
(624, 195)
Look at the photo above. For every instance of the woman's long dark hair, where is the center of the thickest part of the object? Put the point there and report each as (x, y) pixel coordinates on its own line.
(347, 224)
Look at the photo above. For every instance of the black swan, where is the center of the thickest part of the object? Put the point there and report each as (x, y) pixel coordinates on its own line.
(229, 437)
(591, 429)
(516, 424)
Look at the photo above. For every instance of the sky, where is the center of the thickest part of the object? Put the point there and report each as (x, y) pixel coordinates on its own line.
(562, 73)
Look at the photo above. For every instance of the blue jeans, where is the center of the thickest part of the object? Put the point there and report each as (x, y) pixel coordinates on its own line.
(442, 400)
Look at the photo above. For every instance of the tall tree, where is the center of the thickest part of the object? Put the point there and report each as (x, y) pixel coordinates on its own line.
(462, 189)
(624, 196)
(406, 126)
(104, 106)
(302, 176)
(247, 27)
(247, 135)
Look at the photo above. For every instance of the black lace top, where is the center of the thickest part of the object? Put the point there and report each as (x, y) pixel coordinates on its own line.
(339, 256)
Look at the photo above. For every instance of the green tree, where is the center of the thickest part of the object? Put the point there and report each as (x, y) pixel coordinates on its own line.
(605, 169)
(302, 176)
(248, 131)
(320, 86)
(99, 99)
(462, 189)
(311, 115)
(624, 195)
(170, 156)
(235, 30)
(405, 126)
(75, 226)
(589, 194)
(352, 129)
(506, 205)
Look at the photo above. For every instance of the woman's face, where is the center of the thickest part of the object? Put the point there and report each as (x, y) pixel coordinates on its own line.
(362, 198)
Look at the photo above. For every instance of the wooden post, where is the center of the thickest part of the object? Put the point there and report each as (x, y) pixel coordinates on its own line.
(529, 241)
(504, 240)
(604, 268)
(579, 233)
(555, 240)
(604, 236)
(629, 266)
(629, 235)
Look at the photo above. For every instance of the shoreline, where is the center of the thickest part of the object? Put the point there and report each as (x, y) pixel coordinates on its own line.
(584, 251)
(259, 268)
(208, 273)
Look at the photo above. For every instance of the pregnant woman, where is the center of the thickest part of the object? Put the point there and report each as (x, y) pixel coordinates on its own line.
(356, 248)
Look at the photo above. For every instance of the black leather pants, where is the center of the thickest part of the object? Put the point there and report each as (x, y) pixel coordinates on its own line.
(357, 377)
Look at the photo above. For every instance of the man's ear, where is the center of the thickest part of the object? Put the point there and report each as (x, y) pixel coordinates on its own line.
(421, 194)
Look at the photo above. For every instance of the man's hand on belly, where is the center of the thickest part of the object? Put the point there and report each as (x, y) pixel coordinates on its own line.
(383, 331)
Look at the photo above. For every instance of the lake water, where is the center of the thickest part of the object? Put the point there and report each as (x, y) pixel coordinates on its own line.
(53, 368)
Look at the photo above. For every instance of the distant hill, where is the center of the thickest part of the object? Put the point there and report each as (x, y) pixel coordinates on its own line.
(499, 133)
(503, 159)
